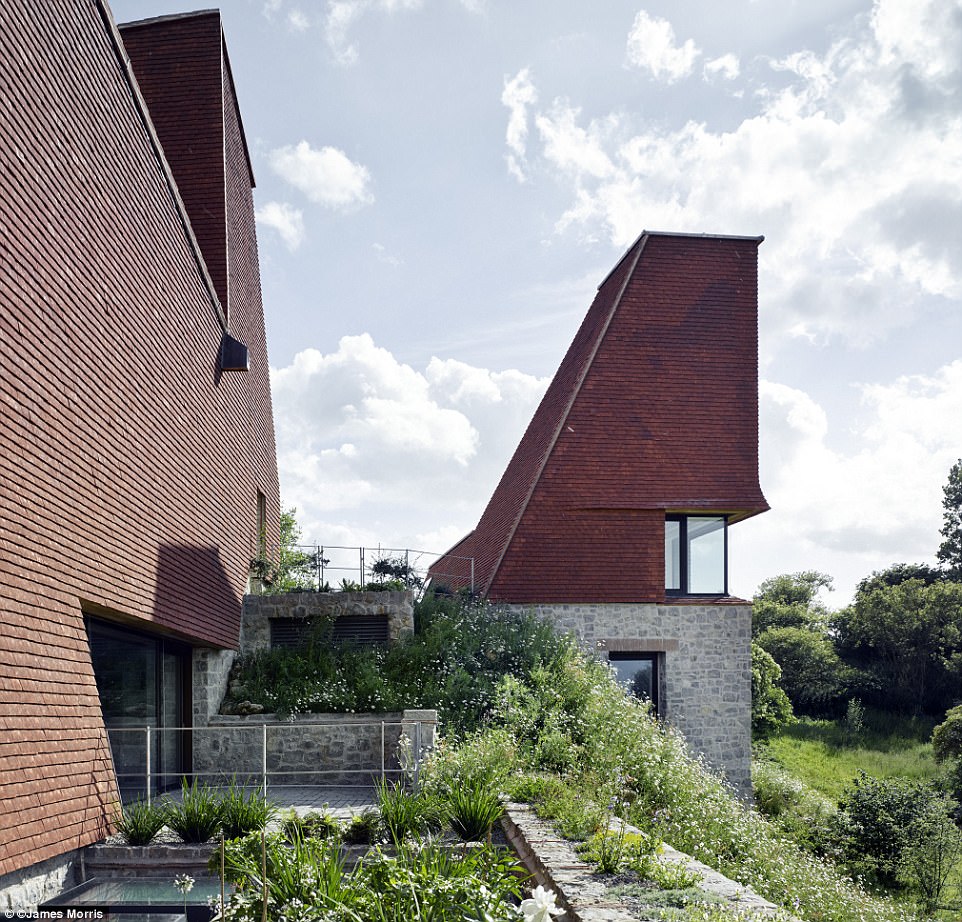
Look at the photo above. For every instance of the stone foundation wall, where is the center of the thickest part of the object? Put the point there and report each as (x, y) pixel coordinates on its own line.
(21, 891)
(330, 749)
(211, 670)
(260, 609)
(704, 654)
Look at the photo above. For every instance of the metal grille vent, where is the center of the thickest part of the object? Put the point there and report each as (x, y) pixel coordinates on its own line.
(359, 629)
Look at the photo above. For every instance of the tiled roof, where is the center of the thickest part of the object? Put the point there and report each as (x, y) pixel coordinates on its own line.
(654, 408)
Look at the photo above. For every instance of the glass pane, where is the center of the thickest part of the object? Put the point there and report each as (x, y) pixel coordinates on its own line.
(638, 674)
(706, 554)
(672, 555)
(171, 740)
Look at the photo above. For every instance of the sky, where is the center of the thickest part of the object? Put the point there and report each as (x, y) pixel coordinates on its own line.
(442, 184)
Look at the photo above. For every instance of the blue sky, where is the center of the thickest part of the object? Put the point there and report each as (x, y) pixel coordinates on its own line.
(441, 185)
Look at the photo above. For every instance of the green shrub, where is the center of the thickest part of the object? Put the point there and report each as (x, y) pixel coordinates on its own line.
(363, 829)
(243, 812)
(197, 817)
(933, 848)
(405, 815)
(874, 817)
(473, 810)
(804, 814)
(313, 825)
(771, 709)
(140, 821)
(947, 736)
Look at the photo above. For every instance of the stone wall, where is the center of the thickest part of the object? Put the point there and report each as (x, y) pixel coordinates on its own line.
(260, 609)
(211, 670)
(704, 658)
(329, 749)
(21, 891)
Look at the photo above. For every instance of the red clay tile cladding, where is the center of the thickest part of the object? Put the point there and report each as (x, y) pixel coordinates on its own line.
(130, 467)
(654, 408)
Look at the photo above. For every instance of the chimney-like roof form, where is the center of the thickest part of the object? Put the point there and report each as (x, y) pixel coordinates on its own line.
(654, 409)
(183, 72)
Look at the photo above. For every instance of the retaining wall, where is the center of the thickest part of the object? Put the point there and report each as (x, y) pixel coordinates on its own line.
(329, 749)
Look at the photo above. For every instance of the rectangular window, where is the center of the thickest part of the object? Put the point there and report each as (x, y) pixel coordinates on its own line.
(696, 555)
(638, 672)
(261, 524)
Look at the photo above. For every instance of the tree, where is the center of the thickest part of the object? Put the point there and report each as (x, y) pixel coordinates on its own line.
(950, 551)
(790, 600)
(771, 709)
(906, 643)
(813, 676)
(294, 569)
(899, 573)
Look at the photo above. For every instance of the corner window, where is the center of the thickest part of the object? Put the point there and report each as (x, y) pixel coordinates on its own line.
(638, 672)
(696, 555)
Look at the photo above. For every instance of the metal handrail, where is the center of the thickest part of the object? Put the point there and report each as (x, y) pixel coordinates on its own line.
(380, 769)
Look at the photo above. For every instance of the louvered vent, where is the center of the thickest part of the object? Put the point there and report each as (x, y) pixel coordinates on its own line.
(359, 629)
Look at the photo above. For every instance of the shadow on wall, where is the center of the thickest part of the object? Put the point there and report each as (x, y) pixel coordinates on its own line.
(195, 594)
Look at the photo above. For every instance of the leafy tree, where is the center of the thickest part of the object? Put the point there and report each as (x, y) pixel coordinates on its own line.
(947, 736)
(790, 600)
(950, 551)
(771, 709)
(906, 643)
(813, 676)
(900, 573)
(294, 570)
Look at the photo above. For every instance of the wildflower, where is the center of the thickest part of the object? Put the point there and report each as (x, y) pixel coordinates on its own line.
(540, 907)
(184, 883)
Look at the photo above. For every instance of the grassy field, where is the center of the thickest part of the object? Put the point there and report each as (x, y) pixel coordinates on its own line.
(827, 757)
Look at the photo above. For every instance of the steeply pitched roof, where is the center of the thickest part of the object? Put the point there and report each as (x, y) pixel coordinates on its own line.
(654, 407)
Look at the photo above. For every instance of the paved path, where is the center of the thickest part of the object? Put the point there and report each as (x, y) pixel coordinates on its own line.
(342, 802)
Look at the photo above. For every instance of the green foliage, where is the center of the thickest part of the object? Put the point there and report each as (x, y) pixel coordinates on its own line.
(947, 736)
(316, 824)
(140, 821)
(950, 551)
(363, 829)
(874, 818)
(932, 850)
(397, 572)
(405, 815)
(307, 881)
(813, 676)
(771, 709)
(805, 815)
(611, 851)
(243, 812)
(453, 662)
(473, 809)
(899, 573)
(906, 643)
(790, 600)
(198, 815)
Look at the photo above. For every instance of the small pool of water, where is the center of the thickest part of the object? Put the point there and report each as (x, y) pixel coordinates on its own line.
(153, 899)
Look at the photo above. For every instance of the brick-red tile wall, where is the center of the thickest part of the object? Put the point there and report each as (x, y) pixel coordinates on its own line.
(130, 468)
(654, 408)
(177, 62)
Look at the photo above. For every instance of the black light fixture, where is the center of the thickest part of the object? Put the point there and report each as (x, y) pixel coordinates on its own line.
(233, 354)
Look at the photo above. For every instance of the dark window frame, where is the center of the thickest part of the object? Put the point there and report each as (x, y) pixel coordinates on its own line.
(682, 519)
(656, 669)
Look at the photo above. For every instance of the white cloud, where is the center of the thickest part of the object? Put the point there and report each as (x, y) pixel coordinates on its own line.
(342, 15)
(383, 256)
(285, 219)
(298, 21)
(375, 450)
(652, 47)
(727, 66)
(850, 164)
(326, 176)
(519, 93)
(851, 512)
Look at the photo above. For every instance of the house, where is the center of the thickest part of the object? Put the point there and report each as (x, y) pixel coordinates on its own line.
(138, 474)
(613, 516)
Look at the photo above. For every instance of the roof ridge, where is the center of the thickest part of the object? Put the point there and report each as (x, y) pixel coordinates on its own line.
(639, 244)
